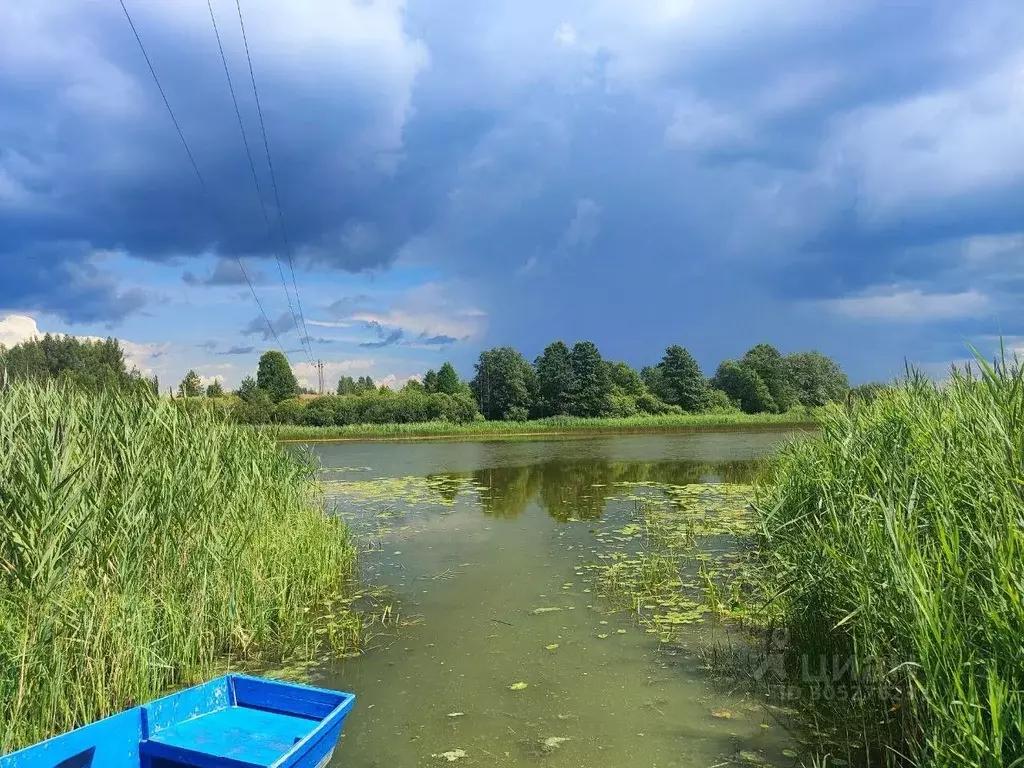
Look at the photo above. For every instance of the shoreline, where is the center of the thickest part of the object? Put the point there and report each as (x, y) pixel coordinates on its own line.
(530, 430)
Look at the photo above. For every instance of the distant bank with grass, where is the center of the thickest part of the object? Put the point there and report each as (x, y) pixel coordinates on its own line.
(553, 426)
(893, 544)
(145, 546)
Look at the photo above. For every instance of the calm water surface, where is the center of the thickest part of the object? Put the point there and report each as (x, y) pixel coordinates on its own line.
(473, 537)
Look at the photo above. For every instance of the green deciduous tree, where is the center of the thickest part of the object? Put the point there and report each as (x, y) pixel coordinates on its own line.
(653, 380)
(346, 386)
(816, 378)
(504, 384)
(771, 366)
(554, 380)
(590, 395)
(255, 407)
(680, 381)
(82, 363)
(190, 385)
(625, 379)
(247, 390)
(365, 384)
(743, 385)
(430, 381)
(215, 389)
(447, 379)
(719, 401)
(274, 376)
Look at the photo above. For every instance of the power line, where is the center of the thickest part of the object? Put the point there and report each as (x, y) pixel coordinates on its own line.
(273, 176)
(255, 178)
(195, 167)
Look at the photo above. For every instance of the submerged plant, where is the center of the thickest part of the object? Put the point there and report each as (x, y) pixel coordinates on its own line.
(671, 581)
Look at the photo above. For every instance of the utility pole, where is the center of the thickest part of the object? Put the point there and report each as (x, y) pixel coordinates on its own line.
(320, 372)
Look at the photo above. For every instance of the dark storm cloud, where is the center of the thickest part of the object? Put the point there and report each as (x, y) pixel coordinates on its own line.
(238, 350)
(731, 167)
(436, 340)
(65, 280)
(258, 326)
(347, 306)
(123, 182)
(386, 340)
(226, 272)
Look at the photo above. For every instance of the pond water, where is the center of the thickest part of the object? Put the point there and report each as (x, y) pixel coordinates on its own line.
(487, 547)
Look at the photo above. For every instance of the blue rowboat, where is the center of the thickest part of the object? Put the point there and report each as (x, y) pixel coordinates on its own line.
(235, 721)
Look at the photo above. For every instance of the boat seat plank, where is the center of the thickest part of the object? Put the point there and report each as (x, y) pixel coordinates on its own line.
(248, 737)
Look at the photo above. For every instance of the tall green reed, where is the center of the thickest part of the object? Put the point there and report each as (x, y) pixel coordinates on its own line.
(143, 546)
(895, 538)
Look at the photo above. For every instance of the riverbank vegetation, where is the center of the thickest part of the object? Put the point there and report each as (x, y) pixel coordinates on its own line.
(87, 364)
(556, 425)
(894, 541)
(574, 385)
(563, 382)
(145, 546)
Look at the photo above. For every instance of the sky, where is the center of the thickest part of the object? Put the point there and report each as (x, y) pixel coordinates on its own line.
(450, 176)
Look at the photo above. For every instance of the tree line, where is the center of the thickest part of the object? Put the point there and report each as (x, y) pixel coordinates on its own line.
(274, 396)
(577, 381)
(561, 381)
(90, 364)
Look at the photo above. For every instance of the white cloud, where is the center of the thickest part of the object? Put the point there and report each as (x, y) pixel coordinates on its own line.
(644, 39)
(911, 305)
(702, 124)
(13, 193)
(936, 146)
(15, 329)
(565, 35)
(697, 124)
(796, 89)
(585, 225)
(143, 355)
(333, 370)
(940, 371)
(431, 309)
(391, 381)
(528, 267)
(206, 381)
(985, 247)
